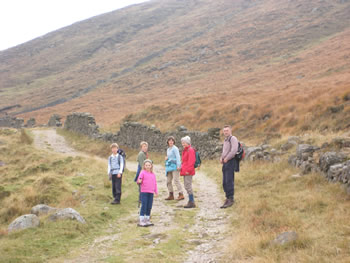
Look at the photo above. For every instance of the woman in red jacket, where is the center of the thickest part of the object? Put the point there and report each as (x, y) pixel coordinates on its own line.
(187, 168)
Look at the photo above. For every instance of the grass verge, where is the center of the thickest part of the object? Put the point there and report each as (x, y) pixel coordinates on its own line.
(270, 201)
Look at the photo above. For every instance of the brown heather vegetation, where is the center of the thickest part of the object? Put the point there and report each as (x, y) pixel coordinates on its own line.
(272, 66)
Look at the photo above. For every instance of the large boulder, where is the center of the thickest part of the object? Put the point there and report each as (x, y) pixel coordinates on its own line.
(67, 213)
(330, 158)
(23, 222)
(42, 210)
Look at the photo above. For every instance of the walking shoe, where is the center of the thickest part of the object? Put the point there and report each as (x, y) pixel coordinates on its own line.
(142, 223)
(190, 205)
(115, 202)
(170, 197)
(180, 197)
(229, 203)
(148, 222)
(224, 205)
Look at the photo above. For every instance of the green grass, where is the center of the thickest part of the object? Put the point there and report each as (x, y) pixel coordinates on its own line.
(32, 176)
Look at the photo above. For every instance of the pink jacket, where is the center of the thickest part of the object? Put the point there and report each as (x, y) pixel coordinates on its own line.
(188, 160)
(149, 182)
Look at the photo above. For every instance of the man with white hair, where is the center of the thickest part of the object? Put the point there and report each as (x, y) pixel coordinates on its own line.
(187, 169)
(228, 161)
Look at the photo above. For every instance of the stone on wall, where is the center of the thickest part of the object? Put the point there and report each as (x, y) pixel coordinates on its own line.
(330, 158)
(30, 123)
(11, 122)
(55, 121)
(263, 152)
(83, 123)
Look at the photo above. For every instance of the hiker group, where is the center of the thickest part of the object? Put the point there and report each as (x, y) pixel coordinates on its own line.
(175, 166)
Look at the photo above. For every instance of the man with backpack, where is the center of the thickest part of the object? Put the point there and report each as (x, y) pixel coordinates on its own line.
(229, 164)
(116, 163)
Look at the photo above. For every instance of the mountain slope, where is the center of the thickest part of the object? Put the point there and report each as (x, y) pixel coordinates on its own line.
(270, 65)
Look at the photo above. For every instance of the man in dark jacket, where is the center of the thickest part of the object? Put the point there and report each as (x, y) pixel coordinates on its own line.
(228, 161)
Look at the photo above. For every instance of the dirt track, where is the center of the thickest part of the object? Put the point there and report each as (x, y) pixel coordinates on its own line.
(210, 223)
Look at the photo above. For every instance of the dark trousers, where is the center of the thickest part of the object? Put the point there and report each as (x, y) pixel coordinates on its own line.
(116, 187)
(228, 178)
(136, 177)
(146, 204)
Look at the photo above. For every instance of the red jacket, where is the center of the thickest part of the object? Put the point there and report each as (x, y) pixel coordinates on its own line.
(188, 160)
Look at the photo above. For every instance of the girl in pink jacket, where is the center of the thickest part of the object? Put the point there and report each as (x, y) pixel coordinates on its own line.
(147, 180)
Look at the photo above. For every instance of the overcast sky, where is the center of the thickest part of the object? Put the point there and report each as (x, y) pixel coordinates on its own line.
(23, 20)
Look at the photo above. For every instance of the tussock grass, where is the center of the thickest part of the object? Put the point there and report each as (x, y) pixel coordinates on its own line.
(269, 201)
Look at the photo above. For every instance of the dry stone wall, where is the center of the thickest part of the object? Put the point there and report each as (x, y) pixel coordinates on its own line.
(132, 133)
(83, 123)
(333, 165)
(11, 122)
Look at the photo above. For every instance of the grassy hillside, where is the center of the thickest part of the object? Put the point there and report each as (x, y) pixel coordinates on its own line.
(266, 66)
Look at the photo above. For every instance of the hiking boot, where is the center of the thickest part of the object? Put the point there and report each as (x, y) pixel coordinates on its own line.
(180, 197)
(224, 205)
(170, 197)
(190, 205)
(115, 202)
(229, 203)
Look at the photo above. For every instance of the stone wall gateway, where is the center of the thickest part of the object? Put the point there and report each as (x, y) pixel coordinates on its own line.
(132, 133)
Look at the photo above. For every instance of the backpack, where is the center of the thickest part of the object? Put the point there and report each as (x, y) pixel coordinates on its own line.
(240, 154)
(121, 153)
(198, 159)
